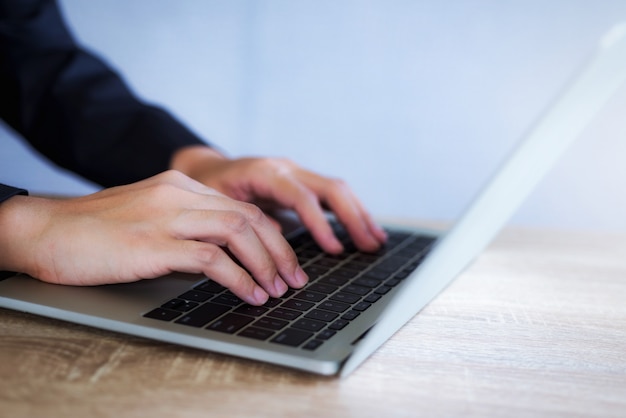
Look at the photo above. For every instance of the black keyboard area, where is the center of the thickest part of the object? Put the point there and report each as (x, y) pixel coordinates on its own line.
(340, 288)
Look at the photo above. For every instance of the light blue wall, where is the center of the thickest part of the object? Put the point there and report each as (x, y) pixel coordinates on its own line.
(412, 102)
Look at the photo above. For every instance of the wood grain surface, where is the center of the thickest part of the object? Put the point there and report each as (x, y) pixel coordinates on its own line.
(535, 327)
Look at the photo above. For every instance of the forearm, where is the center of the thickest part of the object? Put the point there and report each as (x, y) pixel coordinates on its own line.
(73, 107)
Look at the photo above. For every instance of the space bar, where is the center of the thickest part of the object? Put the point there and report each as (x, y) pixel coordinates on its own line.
(203, 315)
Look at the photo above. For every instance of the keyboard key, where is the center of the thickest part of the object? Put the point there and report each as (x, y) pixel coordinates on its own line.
(292, 337)
(345, 297)
(383, 290)
(406, 253)
(390, 264)
(312, 345)
(196, 296)
(367, 282)
(326, 334)
(349, 247)
(163, 314)
(339, 257)
(203, 315)
(310, 296)
(398, 236)
(413, 265)
(230, 323)
(367, 258)
(227, 299)
(283, 313)
(172, 304)
(305, 255)
(401, 275)
(371, 298)
(299, 240)
(378, 275)
(345, 273)
(180, 305)
(210, 286)
(309, 324)
(300, 305)
(350, 315)
(357, 290)
(420, 243)
(256, 333)
(321, 315)
(271, 323)
(251, 310)
(393, 282)
(334, 280)
(338, 324)
(361, 306)
(327, 262)
(315, 271)
(272, 302)
(334, 306)
(322, 288)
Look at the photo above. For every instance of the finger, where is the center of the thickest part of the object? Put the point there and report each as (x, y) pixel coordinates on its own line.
(293, 194)
(251, 238)
(340, 199)
(366, 234)
(231, 230)
(279, 249)
(227, 222)
(190, 256)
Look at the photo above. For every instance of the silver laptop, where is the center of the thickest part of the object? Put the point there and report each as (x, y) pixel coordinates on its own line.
(354, 302)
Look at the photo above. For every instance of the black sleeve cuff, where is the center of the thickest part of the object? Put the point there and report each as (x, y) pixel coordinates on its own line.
(7, 192)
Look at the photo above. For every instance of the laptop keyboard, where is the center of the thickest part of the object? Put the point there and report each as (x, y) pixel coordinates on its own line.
(340, 288)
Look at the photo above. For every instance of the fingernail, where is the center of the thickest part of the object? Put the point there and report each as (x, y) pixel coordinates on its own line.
(301, 277)
(379, 231)
(337, 247)
(280, 286)
(260, 296)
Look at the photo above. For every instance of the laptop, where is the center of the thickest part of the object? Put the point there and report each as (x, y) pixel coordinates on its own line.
(354, 302)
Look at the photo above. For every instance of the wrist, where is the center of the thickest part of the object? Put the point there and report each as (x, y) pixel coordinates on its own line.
(21, 217)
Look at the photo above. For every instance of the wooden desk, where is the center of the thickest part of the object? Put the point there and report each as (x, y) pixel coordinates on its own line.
(537, 326)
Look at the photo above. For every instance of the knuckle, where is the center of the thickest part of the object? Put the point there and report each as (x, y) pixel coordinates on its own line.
(266, 273)
(277, 166)
(171, 176)
(239, 282)
(337, 186)
(209, 254)
(242, 281)
(308, 197)
(287, 257)
(235, 222)
(253, 213)
(338, 183)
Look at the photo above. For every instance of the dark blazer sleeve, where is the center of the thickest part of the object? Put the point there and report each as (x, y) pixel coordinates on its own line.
(72, 107)
(7, 192)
